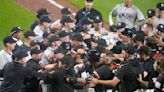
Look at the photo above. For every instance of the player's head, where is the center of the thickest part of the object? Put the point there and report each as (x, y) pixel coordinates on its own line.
(128, 2)
(88, 4)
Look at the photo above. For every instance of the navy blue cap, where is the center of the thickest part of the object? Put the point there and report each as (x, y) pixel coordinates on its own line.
(77, 37)
(97, 19)
(35, 51)
(66, 19)
(63, 34)
(42, 11)
(53, 38)
(66, 10)
(66, 45)
(160, 27)
(19, 54)
(121, 25)
(100, 42)
(29, 33)
(86, 21)
(16, 30)
(130, 49)
(151, 13)
(8, 39)
(45, 19)
(89, 0)
(144, 49)
(127, 32)
(160, 6)
(34, 42)
(60, 49)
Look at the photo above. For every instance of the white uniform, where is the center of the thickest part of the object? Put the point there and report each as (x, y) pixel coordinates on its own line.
(4, 58)
(126, 15)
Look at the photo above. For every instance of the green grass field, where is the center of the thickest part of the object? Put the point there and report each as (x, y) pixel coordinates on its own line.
(105, 6)
(12, 14)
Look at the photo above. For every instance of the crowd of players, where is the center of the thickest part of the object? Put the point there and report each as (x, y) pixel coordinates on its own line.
(77, 54)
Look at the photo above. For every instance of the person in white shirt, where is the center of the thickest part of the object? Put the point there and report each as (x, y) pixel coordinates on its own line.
(44, 25)
(127, 13)
(6, 53)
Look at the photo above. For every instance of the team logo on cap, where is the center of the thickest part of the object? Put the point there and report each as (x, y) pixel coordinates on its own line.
(162, 26)
(162, 5)
(97, 17)
(150, 11)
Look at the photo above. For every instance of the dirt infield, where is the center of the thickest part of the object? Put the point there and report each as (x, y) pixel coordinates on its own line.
(34, 5)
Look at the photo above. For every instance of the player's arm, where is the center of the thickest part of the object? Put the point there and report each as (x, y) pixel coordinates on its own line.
(112, 82)
(112, 14)
(140, 17)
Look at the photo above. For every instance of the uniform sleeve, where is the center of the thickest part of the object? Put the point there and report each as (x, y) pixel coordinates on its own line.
(112, 14)
(1, 73)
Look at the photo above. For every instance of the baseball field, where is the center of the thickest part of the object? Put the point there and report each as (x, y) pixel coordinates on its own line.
(14, 14)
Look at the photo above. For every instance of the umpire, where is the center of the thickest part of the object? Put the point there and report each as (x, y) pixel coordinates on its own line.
(87, 11)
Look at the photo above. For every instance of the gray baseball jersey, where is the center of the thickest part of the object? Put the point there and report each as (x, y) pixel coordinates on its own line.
(126, 15)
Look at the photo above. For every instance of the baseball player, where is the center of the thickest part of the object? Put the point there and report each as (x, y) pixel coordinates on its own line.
(127, 13)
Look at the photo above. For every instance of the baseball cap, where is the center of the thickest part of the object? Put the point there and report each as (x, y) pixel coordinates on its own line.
(60, 49)
(66, 60)
(160, 27)
(150, 13)
(89, 0)
(160, 6)
(66, 19)
(77, 37)
(144, 49)
(62, 34)
(34, 42)
(86, 21)
(8, 39)
(121, 25)
(102, 42)
(127, 32)
(53, 38)
(43, 11)
(45, 19)
(29, 33)
(117, 49)
(97, 19)
(139, 37)
(19, 54)
(66, 45)
(16, 30)
(130, 49)
(35, 51)
(66, 10)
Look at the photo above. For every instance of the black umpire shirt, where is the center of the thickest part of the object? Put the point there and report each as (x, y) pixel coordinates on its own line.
(14, 74)
(90, 14)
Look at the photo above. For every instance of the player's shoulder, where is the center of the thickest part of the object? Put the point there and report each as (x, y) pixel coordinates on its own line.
(135, 7)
